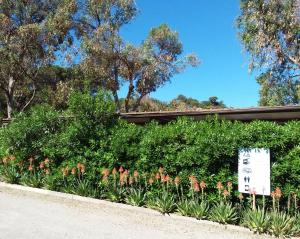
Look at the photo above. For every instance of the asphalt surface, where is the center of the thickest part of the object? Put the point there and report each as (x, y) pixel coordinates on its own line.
(32, 215)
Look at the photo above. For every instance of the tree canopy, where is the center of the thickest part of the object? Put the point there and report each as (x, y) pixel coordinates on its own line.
(31, 32)
(270, 32)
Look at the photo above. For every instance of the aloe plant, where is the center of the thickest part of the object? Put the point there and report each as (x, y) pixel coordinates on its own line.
(200, 210)
(184, 207)
(135, 197)
(116, 194)
(165, 203)
(283, 225)
(11, 174)
(223, 213)
(257, 221)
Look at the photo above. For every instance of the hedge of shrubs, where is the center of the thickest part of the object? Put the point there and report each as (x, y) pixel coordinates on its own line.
(89, 133)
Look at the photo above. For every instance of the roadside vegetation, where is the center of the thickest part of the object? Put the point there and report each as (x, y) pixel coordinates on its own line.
(188, 167)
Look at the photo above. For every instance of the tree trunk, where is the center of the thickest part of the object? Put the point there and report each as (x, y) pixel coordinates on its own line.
(117, 101)
(31, 98)
(130, 90)
(114, 91)
(10, 97)
(138, 103)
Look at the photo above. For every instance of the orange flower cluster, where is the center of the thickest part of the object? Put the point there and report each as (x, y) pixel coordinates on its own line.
(123, 176)
(30, 168)
(276, 194)
(44, 165)
(219, 186)
(8, 159)
(202, 185)
(194, 183)
(105, 174)
(81, 168)
(226, 193)
(177, 181)
(65, 171)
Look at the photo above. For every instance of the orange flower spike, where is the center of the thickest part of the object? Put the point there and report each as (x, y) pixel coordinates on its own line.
(278, 193)
(192, 179)
(42, 165)
(202, 185)
(130, 181)
(82, 170)
(114, 171)
(30, 160)
(196, 186)
(273, 194)
(135, 173)
(121, 169)
(105, 172)
(150, 181)
(30, 168)
(162, 177)
(226, 193)
(47, 161)
(12, 157)
(47, 171)
(122, 179)
(67, 170)
(229, 185)
(79, 166)
(219, 186)
(73, 171)
(157, 176)
(167, 178)
(177, 180)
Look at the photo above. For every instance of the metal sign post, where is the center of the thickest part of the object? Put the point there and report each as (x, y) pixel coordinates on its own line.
(254, 171)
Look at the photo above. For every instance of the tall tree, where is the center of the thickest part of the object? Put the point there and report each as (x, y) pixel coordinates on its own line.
(31, 32)
(270, 32)
(109, 61)
(154, 63)
(99, 23)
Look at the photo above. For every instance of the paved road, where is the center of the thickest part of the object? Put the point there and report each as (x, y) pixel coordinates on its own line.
(30, 215)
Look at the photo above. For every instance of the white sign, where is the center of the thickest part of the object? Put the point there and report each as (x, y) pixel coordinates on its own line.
(254, 171)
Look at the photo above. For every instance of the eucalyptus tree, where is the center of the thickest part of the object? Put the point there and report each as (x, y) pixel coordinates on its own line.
(31, 33)
(154, 63)
(110, 62)
(99, 24)
(270, 32)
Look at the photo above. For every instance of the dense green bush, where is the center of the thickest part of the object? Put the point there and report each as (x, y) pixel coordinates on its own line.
(29, 132)
(208, 149)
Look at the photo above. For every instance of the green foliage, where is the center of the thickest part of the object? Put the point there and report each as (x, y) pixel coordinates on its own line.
(269, 31)
(283, 225)
(223, 213)
(165, 203)
(84, 188)
(135, 197)
(184, 207)
(200, 210)
(116, 194)
(32, 179)
(10, 173)
(28, 133)
(257, 220)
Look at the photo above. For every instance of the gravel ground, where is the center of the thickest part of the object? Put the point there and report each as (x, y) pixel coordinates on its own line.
(43, 214)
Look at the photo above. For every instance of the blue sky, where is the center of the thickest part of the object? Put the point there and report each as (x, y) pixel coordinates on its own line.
(206, 28)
